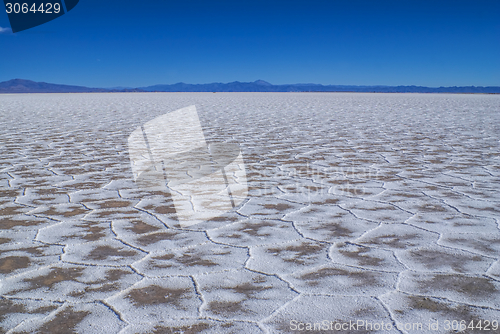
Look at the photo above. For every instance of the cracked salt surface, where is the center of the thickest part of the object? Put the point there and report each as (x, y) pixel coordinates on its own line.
(373, 207)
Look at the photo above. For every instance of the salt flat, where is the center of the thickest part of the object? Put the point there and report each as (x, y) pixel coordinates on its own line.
(380, 209)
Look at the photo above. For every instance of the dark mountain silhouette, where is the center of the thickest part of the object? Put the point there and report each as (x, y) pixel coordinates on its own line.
(27, 86)
(263, 86)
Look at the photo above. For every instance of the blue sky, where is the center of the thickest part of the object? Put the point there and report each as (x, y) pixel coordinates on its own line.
(107, 43)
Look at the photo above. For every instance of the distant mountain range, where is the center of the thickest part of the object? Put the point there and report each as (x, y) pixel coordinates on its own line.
(27, 86)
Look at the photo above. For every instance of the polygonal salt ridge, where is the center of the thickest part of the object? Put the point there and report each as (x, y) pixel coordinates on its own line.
(199, 325)
(252, 232)
(337, 279)
(160, 206)
(60, 212)
(477, 290)
(494, 270)
(30, 171)
(413, 201)
(92, 195)
(356, 189)
(487, 244)
(11, 239)
(394, 182)
(22, 223)
(68, 282)
(110, 204)
(303, 187)
(478, 192)
(376, 211)
(397, 236)
(313, 197)
(16, 258)
(287, 257)
(9, 195)
(121, 184)
(241, 295)
(115, 213)
(75, 232)
(89, 318)
(449, 222)
(328, 223)
(417, 312)
(268, 208)
(435, 258)
(327, 312)
(476, 207)
(109, 252)
(49, 181)
(43, 196)
(11, 209)
(365, 257)
(16, 311)
(154, 301)
(199, 259)
(152, 236)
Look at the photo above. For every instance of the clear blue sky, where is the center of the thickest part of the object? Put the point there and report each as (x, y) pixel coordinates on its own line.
(106, 43)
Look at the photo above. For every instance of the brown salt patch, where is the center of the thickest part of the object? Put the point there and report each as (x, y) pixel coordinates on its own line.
(4, 240)
(334, 229)
(103, 252)
(190, 258)
(425, 303)
(156, 295)
(476, 287)
(123, 214)
(327, 201)
(12, 210)
(301, 251)
(161, 209)
(277, 207)
(393, 240)
(85, 185)
(223, 219)
(9, 307)
(361, 257)
(12, 263)
(56, 275)
(107, 287)
(94, 231)
(249, 289)
(65, 322)
(44, 309)
(68, 211)
(433, 259)
(139, 227)
(8, 223)
(10, 193)
(224, 308)
(116, 274)
(113, 204)
(478, 243)
(431, 208)
(253, 229)
(38, 250)
(363, 277)
(155, 237)
(379, 208)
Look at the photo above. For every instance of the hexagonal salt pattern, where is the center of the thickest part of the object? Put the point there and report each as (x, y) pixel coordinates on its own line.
(366, 213)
